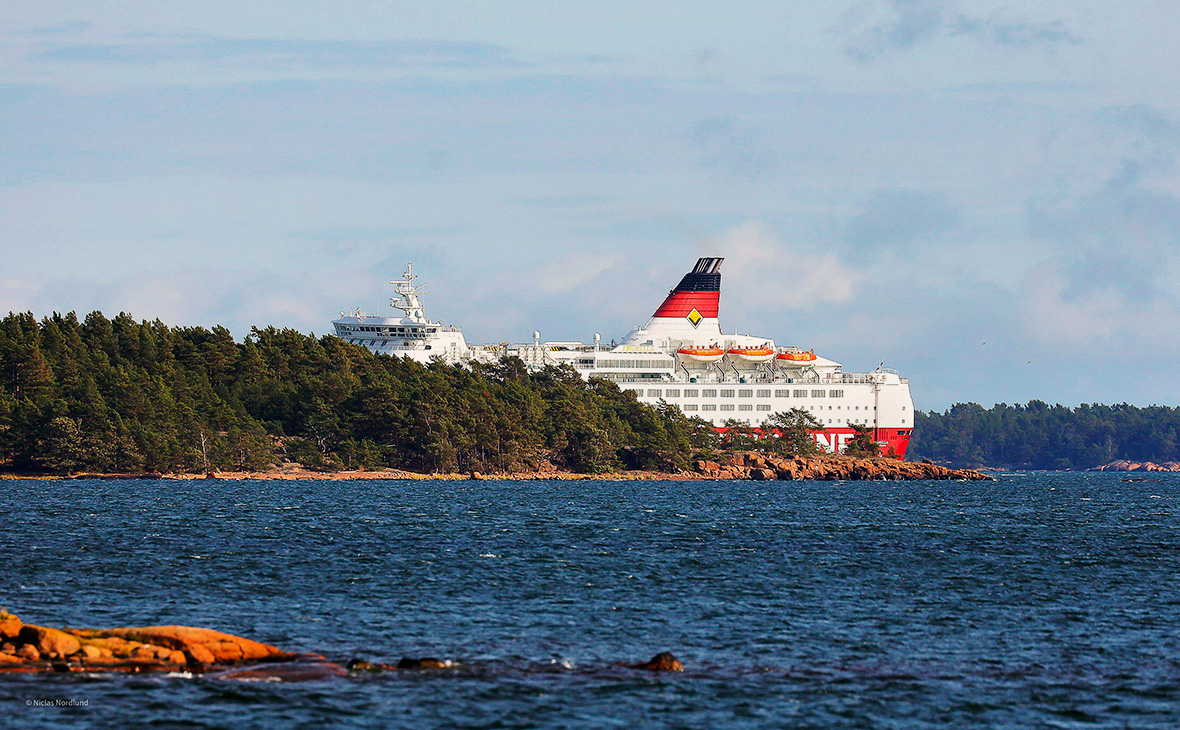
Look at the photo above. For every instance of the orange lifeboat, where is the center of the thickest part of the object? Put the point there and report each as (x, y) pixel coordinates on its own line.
(701, 354)
(751, 354)
(788, 357)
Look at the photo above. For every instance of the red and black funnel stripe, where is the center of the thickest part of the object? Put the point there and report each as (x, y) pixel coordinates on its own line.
(700, 289)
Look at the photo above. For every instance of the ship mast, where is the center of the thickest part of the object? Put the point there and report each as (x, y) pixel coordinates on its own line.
(408, 293)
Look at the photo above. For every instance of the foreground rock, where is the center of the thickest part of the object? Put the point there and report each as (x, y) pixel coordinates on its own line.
(757, 466)
(31, 648)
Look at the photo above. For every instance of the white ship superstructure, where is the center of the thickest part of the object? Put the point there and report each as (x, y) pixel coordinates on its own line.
(412, 335)
(682, 357)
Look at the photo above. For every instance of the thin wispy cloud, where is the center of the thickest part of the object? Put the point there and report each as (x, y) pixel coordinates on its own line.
(67, 28)
(324, 54)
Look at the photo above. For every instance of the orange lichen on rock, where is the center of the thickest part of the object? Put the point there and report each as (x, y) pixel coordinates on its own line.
(201, 643)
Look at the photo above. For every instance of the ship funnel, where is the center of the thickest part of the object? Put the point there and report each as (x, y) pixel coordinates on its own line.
(698, 293)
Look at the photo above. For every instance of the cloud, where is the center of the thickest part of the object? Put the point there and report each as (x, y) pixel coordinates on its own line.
(903, 24)
(69, 27)
(910, 21)
(1015, 34)
(316, 54)
(777, 275)
(572, 271)
(1115, 250)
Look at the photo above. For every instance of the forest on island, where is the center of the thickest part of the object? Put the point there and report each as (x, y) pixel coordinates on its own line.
(125, 396)
(1042, 436)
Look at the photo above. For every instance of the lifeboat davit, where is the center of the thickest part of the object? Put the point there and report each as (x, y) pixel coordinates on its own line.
(751, 354)
(788, 357)
(701, 354)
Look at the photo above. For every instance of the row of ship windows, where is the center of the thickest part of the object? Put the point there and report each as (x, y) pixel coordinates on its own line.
(386, 330)
(629, 364)
(748, 407)
(742, 393)
(836, 422)
(378, 343)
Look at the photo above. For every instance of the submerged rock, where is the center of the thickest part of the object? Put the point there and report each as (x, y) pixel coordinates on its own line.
(423, 663)
(662, 662)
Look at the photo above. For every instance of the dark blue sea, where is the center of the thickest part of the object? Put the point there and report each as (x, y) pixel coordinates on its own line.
(1039, 600)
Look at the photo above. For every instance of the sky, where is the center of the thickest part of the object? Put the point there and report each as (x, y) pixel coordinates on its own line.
(982, 195)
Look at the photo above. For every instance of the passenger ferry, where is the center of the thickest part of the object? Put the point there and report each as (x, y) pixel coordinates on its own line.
(682, 357)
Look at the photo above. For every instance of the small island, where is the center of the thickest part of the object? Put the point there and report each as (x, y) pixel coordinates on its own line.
(28, 648)
(103, 397)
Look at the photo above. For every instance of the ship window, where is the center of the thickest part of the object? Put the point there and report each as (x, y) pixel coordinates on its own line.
(818, 393)
(764, 406)
(745, 407)
(835, 393)
(727, 407)
(653, 392)
(745, 393)
(690, 393)
(672, 393)
(709, 393)
(708, 407)
(727, 392)
(689, 407)
(800, 393)
(763, 393)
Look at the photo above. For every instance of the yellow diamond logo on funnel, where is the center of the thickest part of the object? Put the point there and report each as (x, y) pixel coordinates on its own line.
(695, 317)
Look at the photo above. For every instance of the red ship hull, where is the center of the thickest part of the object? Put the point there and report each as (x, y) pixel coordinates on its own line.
(897, 439)
(893, 441)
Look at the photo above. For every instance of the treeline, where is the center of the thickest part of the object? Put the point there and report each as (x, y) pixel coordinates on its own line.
(1041, 436)
(117, 395)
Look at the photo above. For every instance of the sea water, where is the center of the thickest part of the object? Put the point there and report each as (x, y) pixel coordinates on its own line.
(1038, 600)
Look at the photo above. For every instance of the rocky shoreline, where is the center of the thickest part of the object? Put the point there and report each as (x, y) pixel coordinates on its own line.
(762, 467)
(740, 465)
(27, 648)
(1123, 465)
